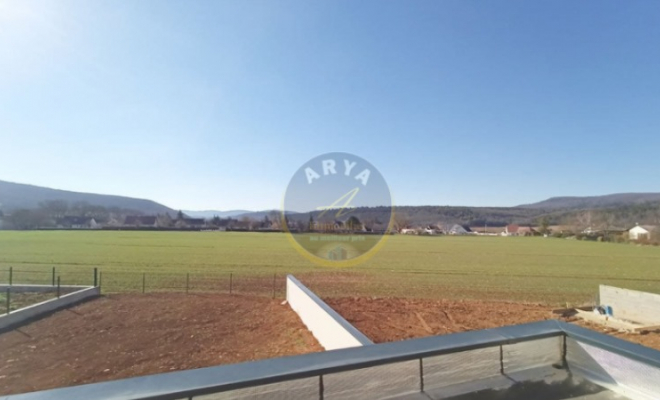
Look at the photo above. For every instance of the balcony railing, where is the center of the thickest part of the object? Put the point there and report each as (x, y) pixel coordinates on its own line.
(519, 357)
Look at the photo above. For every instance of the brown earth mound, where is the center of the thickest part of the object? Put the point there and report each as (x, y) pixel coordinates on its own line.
(392, 319)
(122, 336)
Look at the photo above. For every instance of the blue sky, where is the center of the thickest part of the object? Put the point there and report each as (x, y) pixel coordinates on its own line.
(215, 104)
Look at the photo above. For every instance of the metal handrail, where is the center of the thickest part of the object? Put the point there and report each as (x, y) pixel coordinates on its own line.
(190, 383)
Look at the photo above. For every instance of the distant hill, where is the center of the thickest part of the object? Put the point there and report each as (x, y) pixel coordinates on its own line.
(257, 215)
(212, 213)
(621, 210)
(594, 202)
(15, 196)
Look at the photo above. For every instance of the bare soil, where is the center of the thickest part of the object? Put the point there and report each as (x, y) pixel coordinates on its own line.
(122, 336)
(393, 319)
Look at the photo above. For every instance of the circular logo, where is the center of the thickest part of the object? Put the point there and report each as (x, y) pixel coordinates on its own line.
(337, 210)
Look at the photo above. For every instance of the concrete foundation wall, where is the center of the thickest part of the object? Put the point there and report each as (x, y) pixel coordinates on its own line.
(632, 305)
(329, 328)
(38, 310)
(38, 288)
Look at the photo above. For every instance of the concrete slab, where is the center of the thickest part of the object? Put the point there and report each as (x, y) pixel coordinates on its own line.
(35, 311)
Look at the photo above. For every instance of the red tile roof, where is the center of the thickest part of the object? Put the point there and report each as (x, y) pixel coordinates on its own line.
(512, 228)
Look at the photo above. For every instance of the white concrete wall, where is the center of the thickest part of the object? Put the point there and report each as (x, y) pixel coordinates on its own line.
(39, 288)
(37, 310)
(329, 328)
(632, 305)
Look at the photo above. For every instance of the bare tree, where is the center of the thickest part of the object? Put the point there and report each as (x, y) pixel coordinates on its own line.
(583, 220)
(55, 208)
(401, 221)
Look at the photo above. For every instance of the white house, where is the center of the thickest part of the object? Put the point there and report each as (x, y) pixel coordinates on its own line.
(639, 232)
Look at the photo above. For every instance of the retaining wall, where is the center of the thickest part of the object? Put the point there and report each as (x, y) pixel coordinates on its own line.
(632, 305)
(38, 288)
(328, 327)
(38, 310)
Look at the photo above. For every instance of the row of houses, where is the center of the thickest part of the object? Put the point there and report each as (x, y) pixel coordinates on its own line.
(457, 229)
(450, 229)
(636, 233)
(131, 221)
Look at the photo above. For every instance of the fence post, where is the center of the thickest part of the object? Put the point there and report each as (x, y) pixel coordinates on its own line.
(100, 280)
(96, 277)
(11, 275)
(187, 281)
(53, 279)
(8, 300)
(144, 281)
(58, 286)
(230, 281)
(274, 275)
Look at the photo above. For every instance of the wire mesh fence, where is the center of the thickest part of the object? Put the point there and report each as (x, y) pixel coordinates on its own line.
(271, 285)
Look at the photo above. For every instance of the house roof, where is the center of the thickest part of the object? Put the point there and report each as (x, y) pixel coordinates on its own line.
(647, 228)
(140, 219)
(513, 228)
(459, 228)
(194, 221)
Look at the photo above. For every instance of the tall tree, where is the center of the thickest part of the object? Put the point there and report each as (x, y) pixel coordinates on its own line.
(353, 223)
(544, 224)
(55, 208)
(401, 221)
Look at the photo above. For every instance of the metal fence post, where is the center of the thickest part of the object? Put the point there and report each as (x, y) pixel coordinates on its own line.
(96, 277)
(11, 275)
(187, 281)
(421, 375)
(501, 360)
(230, 281)
(144, 281)
(100, 280)
(8, 300)
(53, 279)
(58, 286)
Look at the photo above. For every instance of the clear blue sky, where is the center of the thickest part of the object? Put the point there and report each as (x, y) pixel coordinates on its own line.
(215, 104)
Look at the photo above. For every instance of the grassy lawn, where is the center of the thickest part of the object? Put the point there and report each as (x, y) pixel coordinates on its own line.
(518, 269)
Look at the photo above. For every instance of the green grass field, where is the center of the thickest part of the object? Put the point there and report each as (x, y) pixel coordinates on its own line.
(518, 269)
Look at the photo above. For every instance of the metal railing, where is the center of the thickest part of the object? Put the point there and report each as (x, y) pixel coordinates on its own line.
(111, 281)
(15, 294)
(319, 370)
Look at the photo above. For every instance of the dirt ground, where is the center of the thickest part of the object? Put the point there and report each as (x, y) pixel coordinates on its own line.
(392, 319)
(121, 336)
